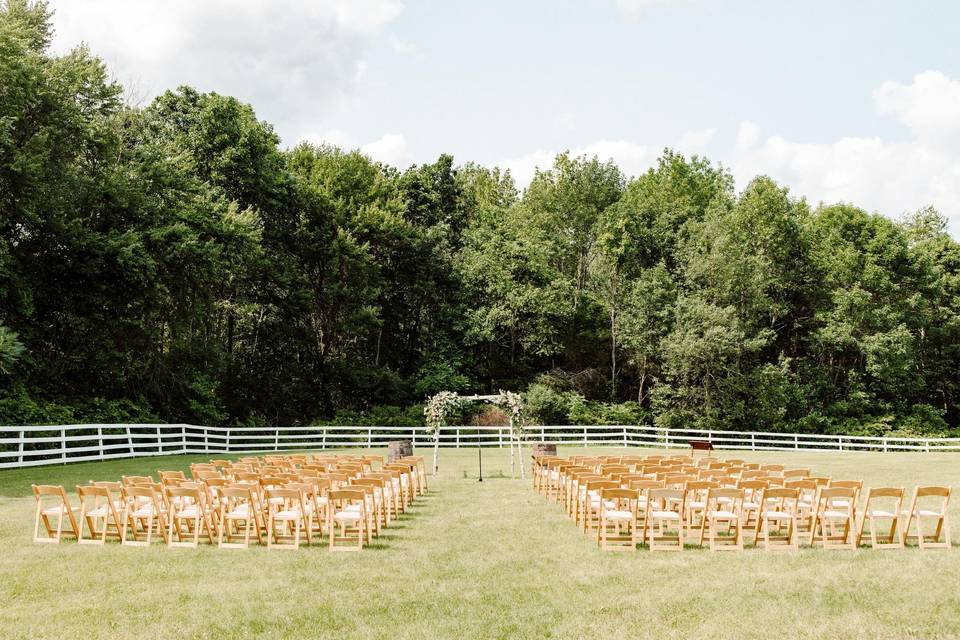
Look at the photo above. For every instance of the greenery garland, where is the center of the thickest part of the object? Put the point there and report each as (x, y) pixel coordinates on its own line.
(439, 407)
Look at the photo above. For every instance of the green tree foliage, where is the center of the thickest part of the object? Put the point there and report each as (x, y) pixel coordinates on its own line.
(174, 262)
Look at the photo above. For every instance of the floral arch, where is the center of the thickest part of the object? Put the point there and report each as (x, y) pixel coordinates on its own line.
(440, 406)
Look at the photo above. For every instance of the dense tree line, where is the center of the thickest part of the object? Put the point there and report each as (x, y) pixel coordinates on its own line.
(174, 262)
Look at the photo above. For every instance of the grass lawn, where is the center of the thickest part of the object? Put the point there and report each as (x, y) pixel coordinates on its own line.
(472, 560)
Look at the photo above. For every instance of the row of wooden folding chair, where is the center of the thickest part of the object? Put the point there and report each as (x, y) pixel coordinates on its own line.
(204, 506)
(823, 508)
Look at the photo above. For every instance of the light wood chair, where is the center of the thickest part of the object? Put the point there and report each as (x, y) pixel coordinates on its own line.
(883, 503)
(833, 510)
(618, 520)
(143, 511)
(723, 510)
(695, 503)
(286, 509)
(188, 513)
(377, 504)
(97, 506)
(347, 513)
(592, 501)
(778, 508)
(935, 512)
(52, 500)
(665, 510)
(238, 504)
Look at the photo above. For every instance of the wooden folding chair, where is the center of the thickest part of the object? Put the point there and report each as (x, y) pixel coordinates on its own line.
(286, 508)
(641, 487)
(576, 490)
(890, 506)
(171, 478)
(665, 508)
(187, 513)
(44, 494)
(97, 506)
(136, 480)
(618, 520)
(695, 503)
(143, 510)
(833, 509)
(369, 509)
(404, 484)
(238, 504)
(347, 512)
(778, 507)
(593, 501)
(378, 502)
(752, 491)
(938, 513)
(723, 509)
(391, 497)
(856, 485)
(808, 489)
(418, 470)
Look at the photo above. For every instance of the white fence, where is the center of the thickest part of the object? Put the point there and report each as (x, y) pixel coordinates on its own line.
(37, 445)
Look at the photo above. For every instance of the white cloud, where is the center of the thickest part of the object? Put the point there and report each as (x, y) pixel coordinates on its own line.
(632, 158)
(891, 177)
(391, 149)
(402, 46)
(565, 121)
(695, 142)
(292, 60)
(930, 106)
(633, 8)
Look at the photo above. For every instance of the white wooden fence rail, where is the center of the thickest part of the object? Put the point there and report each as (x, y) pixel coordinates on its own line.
(24, 446)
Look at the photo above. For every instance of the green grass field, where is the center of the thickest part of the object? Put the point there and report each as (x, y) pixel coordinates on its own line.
(472, 560)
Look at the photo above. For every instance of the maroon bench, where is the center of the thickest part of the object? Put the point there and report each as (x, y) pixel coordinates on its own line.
(700, 445)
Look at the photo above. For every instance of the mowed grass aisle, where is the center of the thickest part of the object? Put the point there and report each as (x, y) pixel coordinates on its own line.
(472, 560)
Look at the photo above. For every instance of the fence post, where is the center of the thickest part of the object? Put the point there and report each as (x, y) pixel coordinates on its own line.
(100, 438)
(458, 437)
(20, 447)
(927, 444)
(840, 443)
(183, 437)
(206, 439)
(796, 441)
(159, 442)
(884, 445)
(584, 434)
(129, 439)
(228, 440)
(276, 438)
(500, 437)
(543, 434)
(323, 439)
(624, 436)
(753, 442)
(63, 444)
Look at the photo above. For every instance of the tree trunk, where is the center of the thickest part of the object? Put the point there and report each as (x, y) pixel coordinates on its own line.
(436, 451)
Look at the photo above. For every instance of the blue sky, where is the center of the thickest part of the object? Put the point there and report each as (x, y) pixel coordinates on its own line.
(856, 101)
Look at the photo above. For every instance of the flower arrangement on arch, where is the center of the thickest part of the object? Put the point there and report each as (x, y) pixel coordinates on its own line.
(439, 407)
(513, 402)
